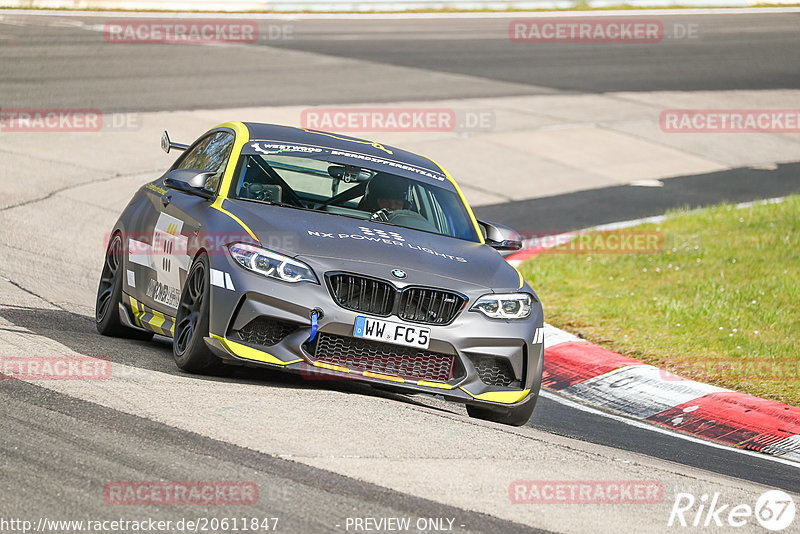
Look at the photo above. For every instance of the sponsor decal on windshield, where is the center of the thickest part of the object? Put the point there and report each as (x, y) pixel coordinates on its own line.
(280, 148)
(390, 163)
(269, 148)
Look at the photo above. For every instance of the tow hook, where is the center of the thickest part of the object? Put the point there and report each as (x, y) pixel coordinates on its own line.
(316, 315)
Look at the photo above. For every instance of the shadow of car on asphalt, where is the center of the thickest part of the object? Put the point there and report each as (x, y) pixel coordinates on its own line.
(77, 333)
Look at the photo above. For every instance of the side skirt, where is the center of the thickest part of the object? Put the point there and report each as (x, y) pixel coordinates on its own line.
(136, 315)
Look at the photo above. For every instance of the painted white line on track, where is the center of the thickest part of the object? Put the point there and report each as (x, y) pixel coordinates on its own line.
(561, 399)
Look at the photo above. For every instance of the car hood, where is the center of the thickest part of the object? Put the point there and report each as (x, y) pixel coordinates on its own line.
(332, 242)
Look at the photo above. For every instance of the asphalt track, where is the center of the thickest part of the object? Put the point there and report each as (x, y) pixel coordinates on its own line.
(605, 205)
(63, 65)
(79, 445)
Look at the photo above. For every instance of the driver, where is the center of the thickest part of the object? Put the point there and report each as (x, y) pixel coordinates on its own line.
(385, 191)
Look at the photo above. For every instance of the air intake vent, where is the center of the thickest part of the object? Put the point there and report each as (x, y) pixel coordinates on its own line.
(265, 331)
(384, 358)
(494, 371)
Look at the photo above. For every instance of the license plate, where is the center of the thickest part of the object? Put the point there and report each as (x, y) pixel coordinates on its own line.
(391, 332)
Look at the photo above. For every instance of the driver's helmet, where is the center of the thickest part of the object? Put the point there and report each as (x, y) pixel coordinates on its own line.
(385, 191)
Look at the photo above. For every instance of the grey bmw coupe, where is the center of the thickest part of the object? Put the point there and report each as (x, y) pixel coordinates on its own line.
(314, 252)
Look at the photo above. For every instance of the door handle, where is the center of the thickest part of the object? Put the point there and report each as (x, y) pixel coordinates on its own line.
(166, 199)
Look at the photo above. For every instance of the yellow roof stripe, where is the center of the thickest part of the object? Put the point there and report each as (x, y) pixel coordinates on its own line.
(521, 279)
(218, 206)
(463, 199)
(241, 137)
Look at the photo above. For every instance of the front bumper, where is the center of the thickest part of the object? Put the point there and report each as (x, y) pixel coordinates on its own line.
(239, 297)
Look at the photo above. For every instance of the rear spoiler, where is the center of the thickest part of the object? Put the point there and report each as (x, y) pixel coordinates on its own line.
(167, 145)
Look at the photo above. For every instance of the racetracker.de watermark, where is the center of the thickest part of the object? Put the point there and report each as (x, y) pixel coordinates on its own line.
(597, 242)
(170, 493)
(730, 120)
(140, 247)
(54, 368)
(195, 32)
(606, 30)
(586, 492)
(397, 119)
(39, 120)
(742, 368)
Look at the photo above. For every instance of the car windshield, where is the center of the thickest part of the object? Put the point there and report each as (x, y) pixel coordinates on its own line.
(353, 191)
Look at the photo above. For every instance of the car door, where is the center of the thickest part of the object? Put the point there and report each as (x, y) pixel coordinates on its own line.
(176, 220)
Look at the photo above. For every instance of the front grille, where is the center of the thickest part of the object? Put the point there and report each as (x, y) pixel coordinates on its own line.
(362, 294)
(493, 371)
(429, 305)
(265, 331)
(376, 297)
(384, 358)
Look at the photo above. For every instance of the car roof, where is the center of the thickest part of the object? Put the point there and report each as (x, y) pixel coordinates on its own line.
(336, 141)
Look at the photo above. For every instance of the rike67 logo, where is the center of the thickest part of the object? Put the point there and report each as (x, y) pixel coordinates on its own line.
(774, 510)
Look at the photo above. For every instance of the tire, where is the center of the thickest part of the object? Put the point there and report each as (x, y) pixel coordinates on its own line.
(191, 324)
(109, 296)
(516, 416)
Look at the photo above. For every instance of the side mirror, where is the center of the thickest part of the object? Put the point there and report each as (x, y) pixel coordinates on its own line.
(501, 237)
(190, 181)
(166, 144)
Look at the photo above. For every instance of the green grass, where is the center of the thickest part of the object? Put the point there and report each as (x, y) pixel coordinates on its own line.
(720, 303)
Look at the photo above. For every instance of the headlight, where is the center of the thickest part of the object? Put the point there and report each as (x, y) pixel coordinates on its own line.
(505, 306)
(271, 264)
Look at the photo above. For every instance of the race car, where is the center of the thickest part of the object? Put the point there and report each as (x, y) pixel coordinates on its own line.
(328, 256)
